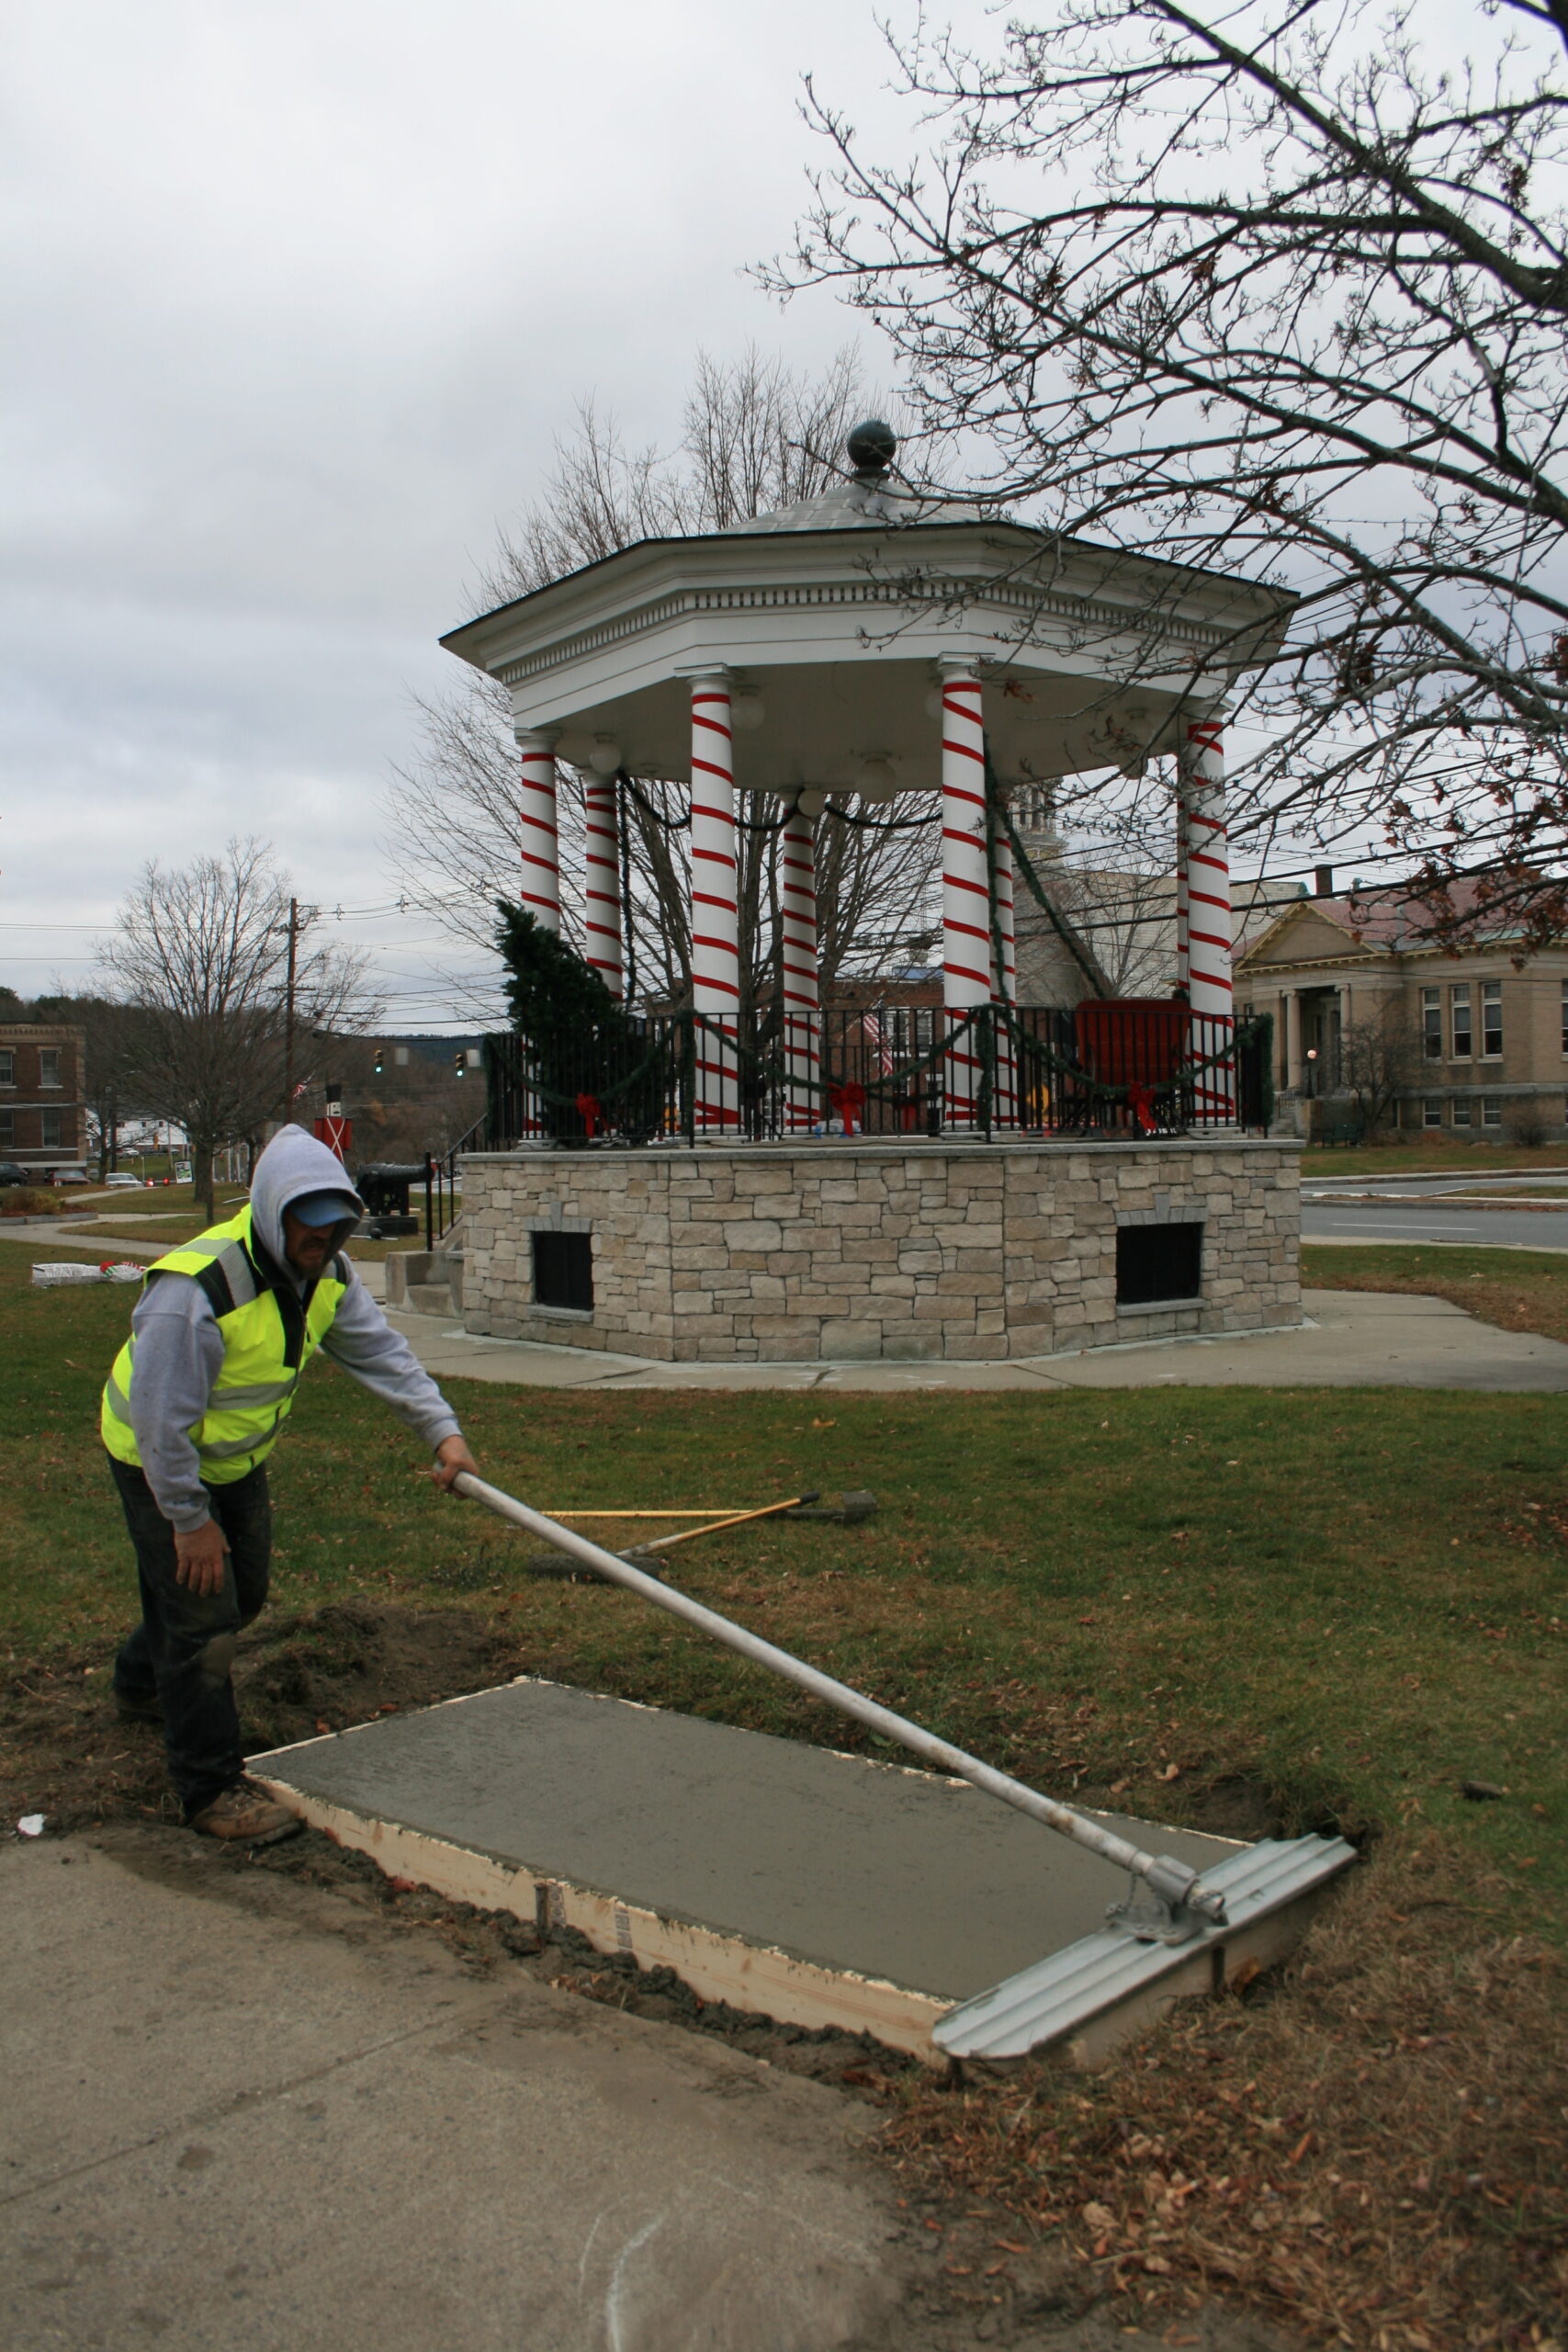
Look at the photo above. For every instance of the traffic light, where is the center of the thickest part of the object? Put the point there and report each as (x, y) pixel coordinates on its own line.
(460, 1061)
(381, 1059)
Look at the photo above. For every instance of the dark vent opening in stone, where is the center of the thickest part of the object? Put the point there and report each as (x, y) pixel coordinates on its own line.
(563, 1271)
(1154, 1263)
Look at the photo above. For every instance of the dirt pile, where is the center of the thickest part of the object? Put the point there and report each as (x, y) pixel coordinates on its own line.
(64, 1752)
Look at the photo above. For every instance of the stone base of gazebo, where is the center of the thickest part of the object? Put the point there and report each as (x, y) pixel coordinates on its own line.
(902, 1249)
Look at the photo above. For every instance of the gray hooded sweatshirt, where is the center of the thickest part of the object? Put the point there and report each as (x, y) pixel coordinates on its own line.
(179, 1348)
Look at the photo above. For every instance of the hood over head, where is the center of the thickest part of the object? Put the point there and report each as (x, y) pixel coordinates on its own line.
(293, 1165)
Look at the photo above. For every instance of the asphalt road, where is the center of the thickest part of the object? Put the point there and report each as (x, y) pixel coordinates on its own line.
(1403, 1220)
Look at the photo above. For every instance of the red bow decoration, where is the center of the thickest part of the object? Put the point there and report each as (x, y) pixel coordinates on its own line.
(591, 1114)
(847, 1100)
(1141, 1103)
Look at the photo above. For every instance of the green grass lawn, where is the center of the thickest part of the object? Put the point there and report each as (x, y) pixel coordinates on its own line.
(1238, 1608)
(1354, 1602)
(1443, 1158)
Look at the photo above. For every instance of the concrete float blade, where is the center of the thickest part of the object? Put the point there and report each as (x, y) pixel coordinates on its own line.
(1097, 1991)
(816, 1888)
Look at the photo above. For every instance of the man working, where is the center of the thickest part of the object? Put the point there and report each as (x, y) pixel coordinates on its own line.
(222, 1333)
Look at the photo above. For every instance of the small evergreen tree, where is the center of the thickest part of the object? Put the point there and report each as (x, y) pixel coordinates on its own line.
(578, 1041)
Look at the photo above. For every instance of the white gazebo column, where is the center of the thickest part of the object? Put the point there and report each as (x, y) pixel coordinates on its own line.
(965, 894)
(715, 958)
(1213, 1026)
(601, 885)
(539, 829)
(1005, 989)
(539, 841)
(802, 991)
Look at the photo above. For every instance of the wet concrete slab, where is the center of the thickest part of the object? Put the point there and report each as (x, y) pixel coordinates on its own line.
(850, 1868)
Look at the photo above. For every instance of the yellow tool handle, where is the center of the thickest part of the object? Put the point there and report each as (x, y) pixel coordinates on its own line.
(693, 1510)
(716, 1526)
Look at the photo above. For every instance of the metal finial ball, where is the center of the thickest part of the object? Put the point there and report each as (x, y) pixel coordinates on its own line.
(872, 447)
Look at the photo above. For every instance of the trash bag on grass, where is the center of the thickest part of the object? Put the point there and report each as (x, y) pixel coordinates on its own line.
(59, 1275)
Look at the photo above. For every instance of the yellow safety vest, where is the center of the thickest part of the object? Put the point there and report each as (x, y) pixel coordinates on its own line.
(270, 1333)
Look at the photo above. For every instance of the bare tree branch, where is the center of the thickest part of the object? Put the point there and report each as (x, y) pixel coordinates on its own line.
(1293, 309)
(756, 436)
(201, 954)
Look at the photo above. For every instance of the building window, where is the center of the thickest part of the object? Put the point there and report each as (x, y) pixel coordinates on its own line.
(563, 1271)
(1492, 1017)
(1491, 1109)
(1461, 1111)
(1462, 1031)
(1154, 1263)
(1432, 1024)
(48, 1066)
(7, 1128)
(48, 1130)
(1432, 1112)
(8, 1059)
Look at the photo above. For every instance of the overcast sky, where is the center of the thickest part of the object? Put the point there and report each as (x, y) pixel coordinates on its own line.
(295, 298)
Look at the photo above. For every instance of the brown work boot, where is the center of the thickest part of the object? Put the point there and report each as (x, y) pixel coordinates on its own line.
(242, 1815)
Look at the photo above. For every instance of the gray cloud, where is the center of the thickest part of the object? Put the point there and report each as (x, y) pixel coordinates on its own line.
(298, 295)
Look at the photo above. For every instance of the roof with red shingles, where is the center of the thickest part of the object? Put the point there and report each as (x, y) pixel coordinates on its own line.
(1391, 916)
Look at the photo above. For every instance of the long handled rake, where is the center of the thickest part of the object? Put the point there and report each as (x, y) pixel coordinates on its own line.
(1171, 1908)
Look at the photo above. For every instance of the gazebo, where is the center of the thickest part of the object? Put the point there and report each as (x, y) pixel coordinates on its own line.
(867, 642)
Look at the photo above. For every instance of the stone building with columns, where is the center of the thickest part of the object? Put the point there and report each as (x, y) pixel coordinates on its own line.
(1479, 1030)
(860, 645)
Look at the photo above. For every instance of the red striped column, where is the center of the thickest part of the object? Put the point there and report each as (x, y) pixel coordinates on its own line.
(1212, 1029)
(539, 832)
(1005, 989)
(602, 944)
(965, 894)
(1183, 972)
(715, 960)
(802, 991)
(538, 836)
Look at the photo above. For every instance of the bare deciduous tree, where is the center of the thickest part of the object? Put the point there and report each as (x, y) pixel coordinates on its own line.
(1380, 1056)
(200, 953)
(756, 438)
(1290, 307)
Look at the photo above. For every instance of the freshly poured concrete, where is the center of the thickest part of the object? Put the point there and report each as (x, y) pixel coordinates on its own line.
(853, 1871)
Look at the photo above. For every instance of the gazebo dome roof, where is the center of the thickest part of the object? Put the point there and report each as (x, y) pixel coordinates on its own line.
(837, 614)
(855, 505)
(867, 500)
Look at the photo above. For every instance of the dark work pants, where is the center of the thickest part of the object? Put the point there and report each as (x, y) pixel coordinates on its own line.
(183, 1650)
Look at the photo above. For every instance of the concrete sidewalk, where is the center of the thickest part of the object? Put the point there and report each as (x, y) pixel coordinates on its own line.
(243, 2115)
(1351, 1340)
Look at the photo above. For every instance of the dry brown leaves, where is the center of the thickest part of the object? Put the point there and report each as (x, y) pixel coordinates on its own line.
(1368, 2149)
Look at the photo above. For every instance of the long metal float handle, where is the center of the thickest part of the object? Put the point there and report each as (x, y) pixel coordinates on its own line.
(1170, 1880)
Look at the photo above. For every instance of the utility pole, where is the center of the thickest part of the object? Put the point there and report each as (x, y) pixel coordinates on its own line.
(289, 1015)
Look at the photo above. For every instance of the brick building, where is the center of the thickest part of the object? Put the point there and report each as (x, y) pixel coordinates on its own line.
(43, 1119)
(1482, 1027)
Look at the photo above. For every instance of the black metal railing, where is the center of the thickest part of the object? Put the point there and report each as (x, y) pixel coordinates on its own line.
(442, 1208)
(1101, 1071)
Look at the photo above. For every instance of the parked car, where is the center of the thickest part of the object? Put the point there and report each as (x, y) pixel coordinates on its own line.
(13, 1173)
(70, 1176)
(121, 1182)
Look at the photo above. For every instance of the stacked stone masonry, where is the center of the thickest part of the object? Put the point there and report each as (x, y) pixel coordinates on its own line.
(827, 1251)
